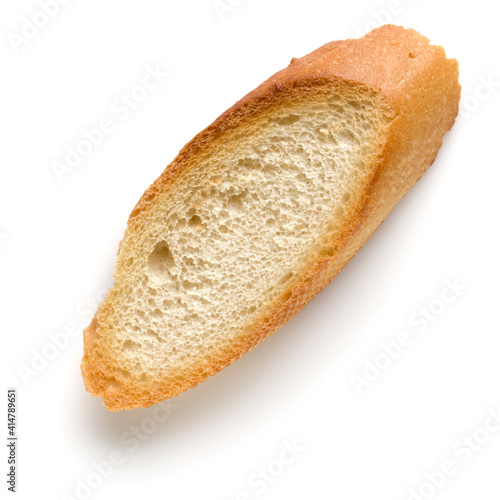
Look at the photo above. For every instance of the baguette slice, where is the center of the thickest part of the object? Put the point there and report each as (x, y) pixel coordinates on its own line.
(263, 208)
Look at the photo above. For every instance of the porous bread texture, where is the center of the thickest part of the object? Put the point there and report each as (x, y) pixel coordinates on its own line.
(263, 208)
(234, 232)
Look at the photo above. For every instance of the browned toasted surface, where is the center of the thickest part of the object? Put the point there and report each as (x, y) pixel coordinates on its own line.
(419, 86)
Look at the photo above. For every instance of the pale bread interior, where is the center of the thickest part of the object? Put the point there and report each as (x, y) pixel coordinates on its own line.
(234, 232)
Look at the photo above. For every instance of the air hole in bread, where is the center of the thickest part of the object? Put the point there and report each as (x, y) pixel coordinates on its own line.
(195, 221)
(124, 374)
(129, 346)
(150, 334)
(160, 261)
(235, 202)
(113, 385)
(346, 138)
(327, 251)
(285, 278)
(188, 285)
(287, 120)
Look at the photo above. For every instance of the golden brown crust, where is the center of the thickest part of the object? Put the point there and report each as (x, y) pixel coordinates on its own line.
(419, 85)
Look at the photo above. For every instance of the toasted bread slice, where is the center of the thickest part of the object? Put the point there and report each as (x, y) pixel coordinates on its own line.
(263, 208)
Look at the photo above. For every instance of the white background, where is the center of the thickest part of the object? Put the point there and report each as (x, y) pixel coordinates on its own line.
(59, 239)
